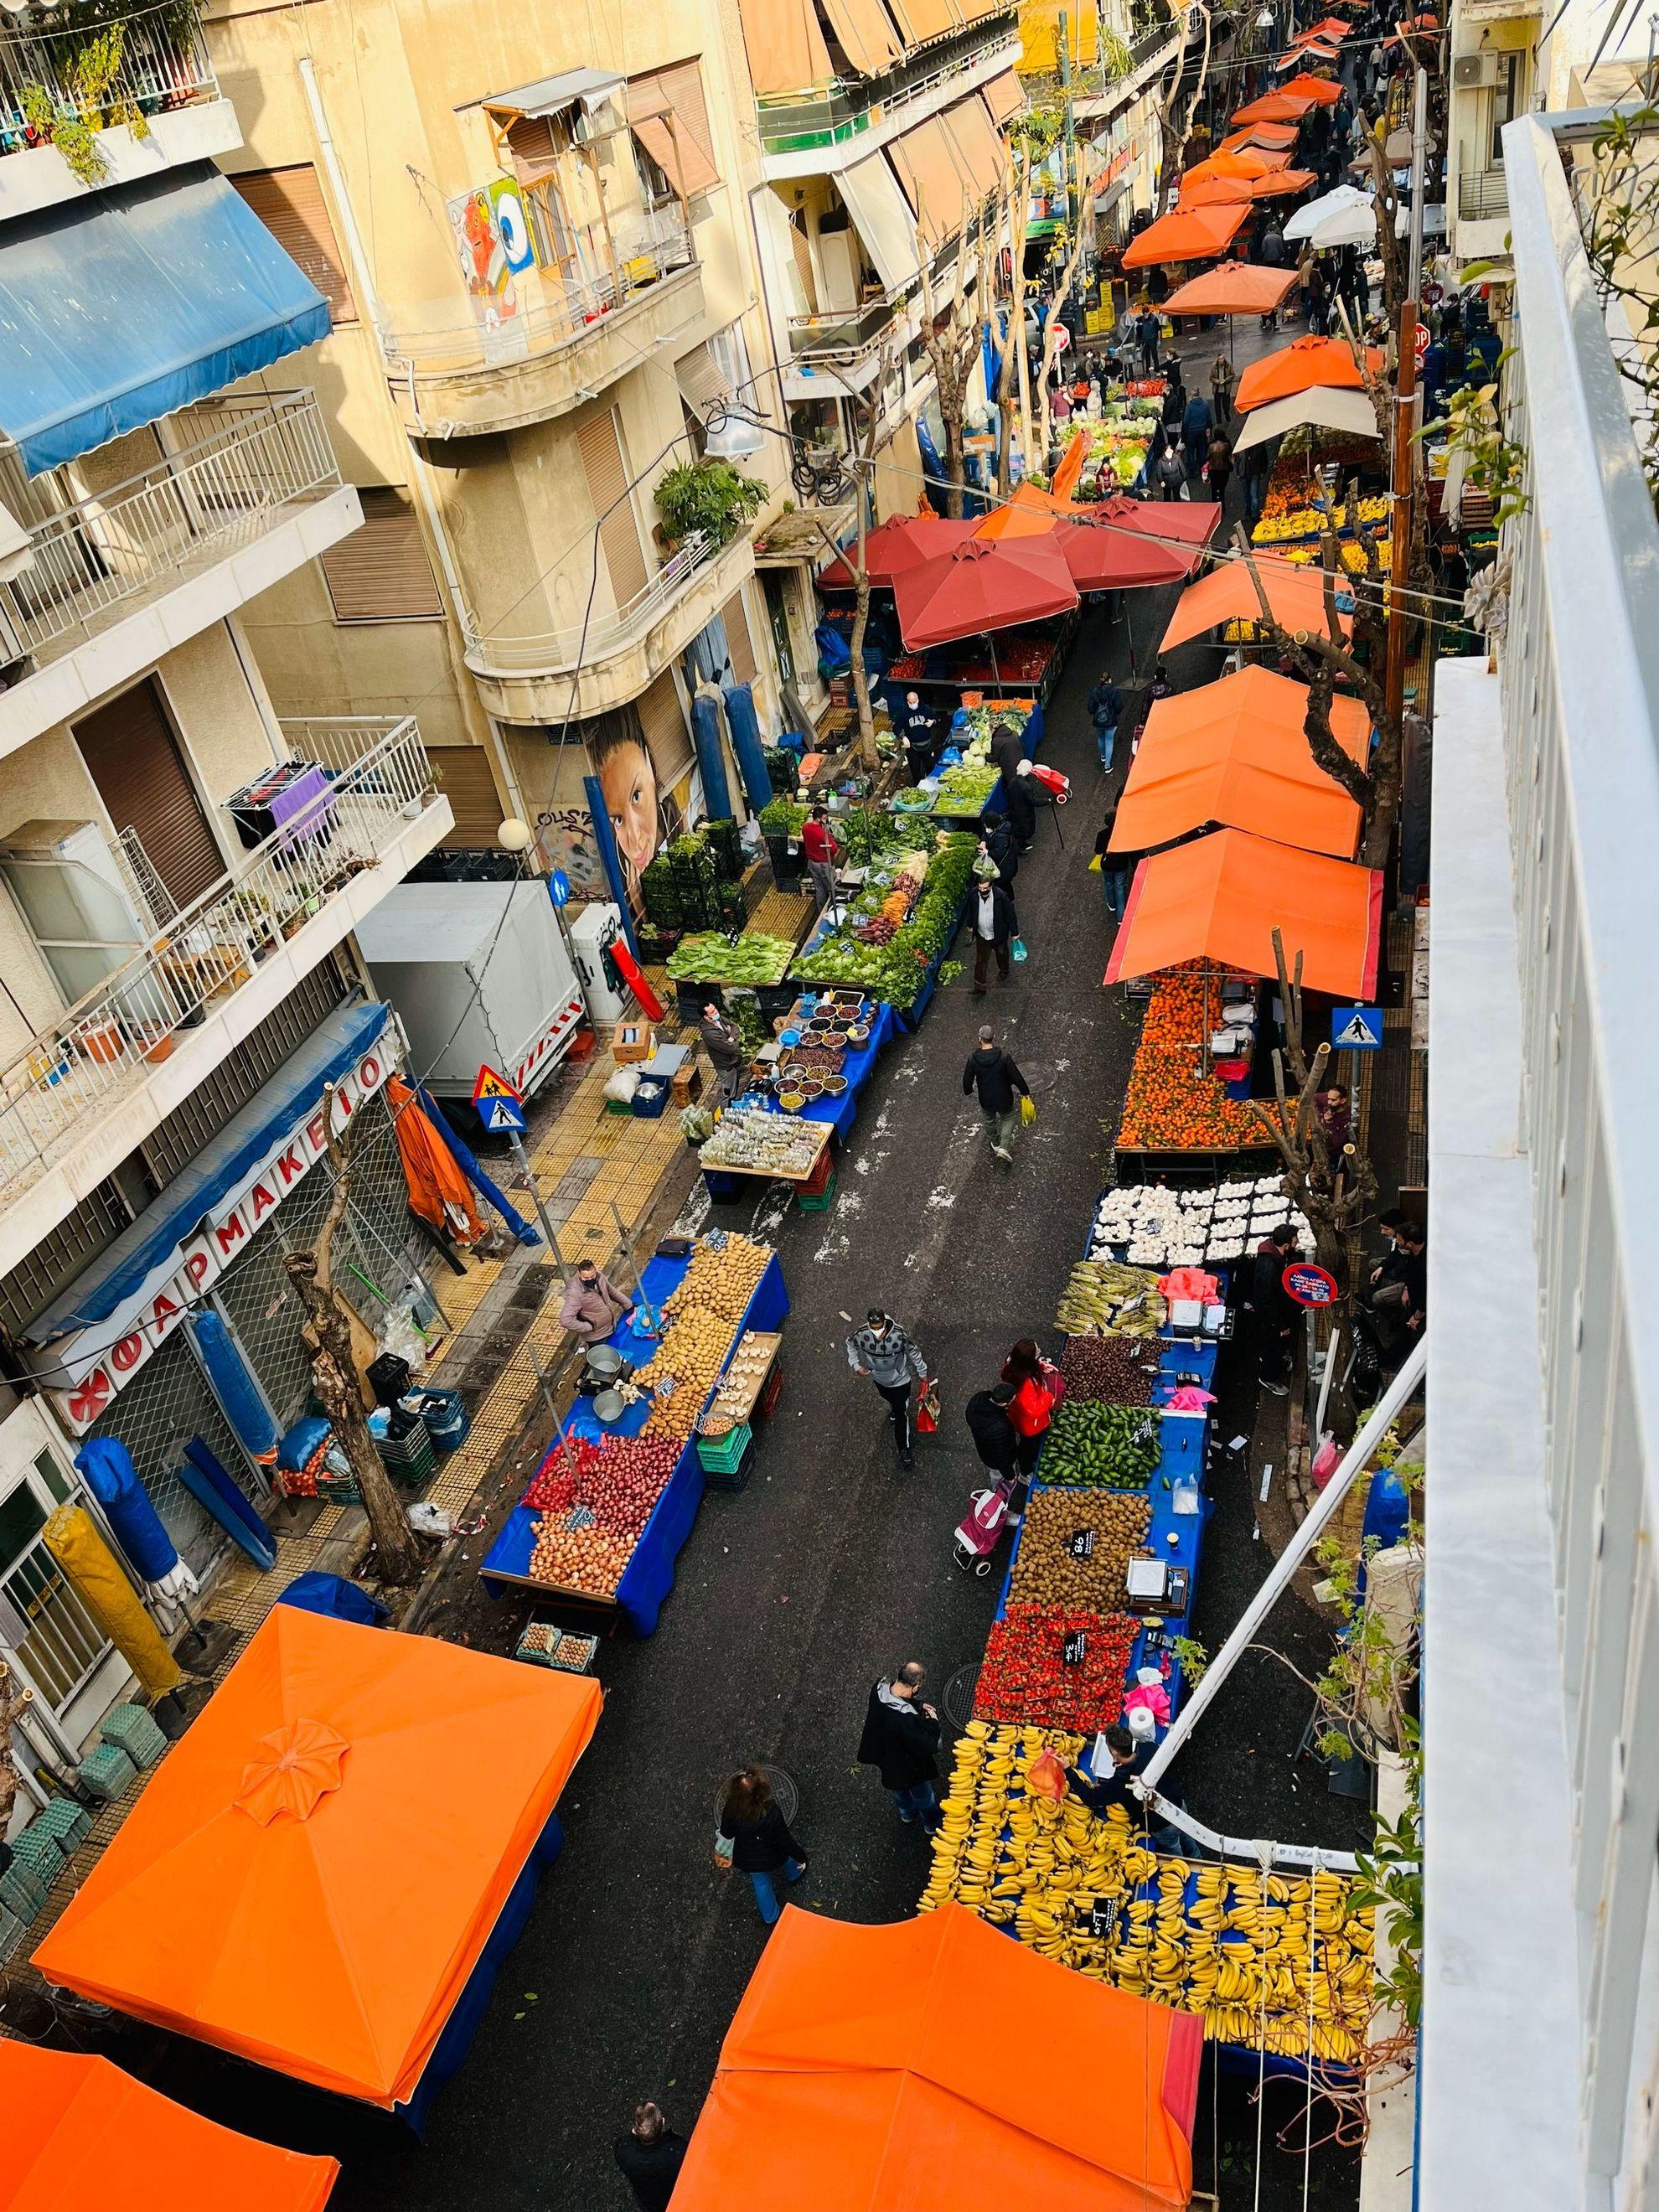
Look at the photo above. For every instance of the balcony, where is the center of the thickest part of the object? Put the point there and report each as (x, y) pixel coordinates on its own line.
(84, 1092)
(1482, 195)
(832, 354)
(118, 579)
(548, 677)
(1540, 1657)
(462, 380)
(820, 129)
(166, 77)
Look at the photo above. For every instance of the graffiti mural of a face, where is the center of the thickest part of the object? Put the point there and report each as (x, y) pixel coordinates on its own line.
(628, 781)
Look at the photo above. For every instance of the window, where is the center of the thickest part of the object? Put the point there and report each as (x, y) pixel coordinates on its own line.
(731, 351)
(381, 572)
(1505, 101)
(290, 205)
(669, 118)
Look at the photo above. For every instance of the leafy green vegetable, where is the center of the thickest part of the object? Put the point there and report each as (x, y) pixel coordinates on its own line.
(896, 971)
(710, 958)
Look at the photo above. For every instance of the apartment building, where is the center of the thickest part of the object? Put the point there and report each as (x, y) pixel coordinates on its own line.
(1101, 64)
(533, 228)
(1539, 2089)
(880, 129)
(177, 974)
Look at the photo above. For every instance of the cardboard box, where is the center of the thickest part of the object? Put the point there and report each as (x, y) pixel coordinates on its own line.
(631, 1041)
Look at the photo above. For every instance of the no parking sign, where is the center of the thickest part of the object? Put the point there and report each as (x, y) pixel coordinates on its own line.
(1309, 1284)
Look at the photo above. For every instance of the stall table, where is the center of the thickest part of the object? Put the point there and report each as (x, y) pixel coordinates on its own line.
(649, 1574)
(726, 1183)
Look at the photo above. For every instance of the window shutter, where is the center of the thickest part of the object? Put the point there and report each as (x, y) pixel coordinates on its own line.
(290, 205)
(675, 90)
(466, 781)
(535, 149)
(599, 443)
(738, 640)
(381, 572)
(667, 739)
(132, 756)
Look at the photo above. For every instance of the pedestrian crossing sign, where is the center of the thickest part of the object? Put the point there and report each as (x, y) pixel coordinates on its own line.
(1357, 1028)
(492, 1084)
(501, 1117)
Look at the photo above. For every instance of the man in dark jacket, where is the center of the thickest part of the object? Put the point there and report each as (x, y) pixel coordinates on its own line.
(1275, 1310)
(993, 1074)
(1106, 712)
(723, 1046)
(991, 918)
(650, 2155)
(1196, 424)
(919, 726)
(995, 1438)
(1002, 848)
(901, 1739)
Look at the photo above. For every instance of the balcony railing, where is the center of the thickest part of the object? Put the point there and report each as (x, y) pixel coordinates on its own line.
(1541, 1624)
(164, 65)
(569, 310)
(846, 108)
(217, 493)
(844, 334)
(557, 653)
(1482, 195)
(80, 1067)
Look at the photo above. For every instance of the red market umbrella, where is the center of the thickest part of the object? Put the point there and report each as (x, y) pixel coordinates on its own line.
(1119, 544)
(903, 542)
(1188, 234)
(981, 584)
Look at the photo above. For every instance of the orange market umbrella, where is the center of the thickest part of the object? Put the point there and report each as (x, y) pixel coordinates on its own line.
(1235, 192)
(1248, 162)
(1118, 545)
(1295, 595)
(1318, 89)
(901, 542)
(1281, 106)
(1315, 51)
(72, 2123)
(1071, 466)
(1221, 897)
(1188, 234)
(1237, 287)
(1236, 753)
(1261, 137)
(859, 2055)
(981, 584)
(314, 1871)
(1302, 365)
(1028, 511)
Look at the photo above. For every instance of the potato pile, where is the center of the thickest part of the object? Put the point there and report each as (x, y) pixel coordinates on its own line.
(723, 1276)
(590, 1559)
(1046, 1570)
(684, 1371)
(1119, 1370)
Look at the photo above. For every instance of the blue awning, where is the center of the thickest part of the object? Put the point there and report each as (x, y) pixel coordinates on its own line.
(278, 1106)
(116, 310)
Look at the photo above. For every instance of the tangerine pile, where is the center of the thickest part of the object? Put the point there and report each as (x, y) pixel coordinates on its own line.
(1171, 1104)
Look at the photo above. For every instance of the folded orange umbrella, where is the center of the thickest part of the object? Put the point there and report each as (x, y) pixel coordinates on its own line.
(1317, 52)
(1237, 287)
(1262, 138)
(1235, 753)
(1071, 466)
(1300, 366)
(1239, 192)
(1188, 234)
(1281, 106)
(1221, 897)
(73, 2123)
(1296, 597)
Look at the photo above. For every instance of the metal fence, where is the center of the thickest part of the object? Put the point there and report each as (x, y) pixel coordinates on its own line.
(1482, 195)
(255, 457)
(379, 779)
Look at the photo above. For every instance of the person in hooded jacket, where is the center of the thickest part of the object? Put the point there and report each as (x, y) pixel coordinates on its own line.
(990, 1426)
(1035, 1383)
(900, 1741)
(993, 1074)
(892, 1360)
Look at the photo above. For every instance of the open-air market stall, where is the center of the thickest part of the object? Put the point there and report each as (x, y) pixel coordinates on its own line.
(903, 970)
(860, 2055)
(244, 1900)
(1185, 1110)
(610, 1508)
(79, 2132)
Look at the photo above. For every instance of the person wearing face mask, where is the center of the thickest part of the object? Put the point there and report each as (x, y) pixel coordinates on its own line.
(882, 1353)
(592, 1304)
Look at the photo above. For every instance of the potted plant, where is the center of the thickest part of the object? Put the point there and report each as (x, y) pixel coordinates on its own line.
(710, 497)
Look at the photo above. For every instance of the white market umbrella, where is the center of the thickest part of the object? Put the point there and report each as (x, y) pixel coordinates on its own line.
(1321, 408)
(1345, 216)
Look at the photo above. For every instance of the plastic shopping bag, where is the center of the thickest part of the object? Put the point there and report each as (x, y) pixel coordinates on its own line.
(1094, 866)
(1018, 948)
(1027, 1111)
(927, 1409)
(1046, 1777)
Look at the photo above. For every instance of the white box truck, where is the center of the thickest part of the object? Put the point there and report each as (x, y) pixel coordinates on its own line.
(478, 972)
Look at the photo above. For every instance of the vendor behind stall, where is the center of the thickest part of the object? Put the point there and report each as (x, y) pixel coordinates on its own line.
(919, 726)
(592, 1304)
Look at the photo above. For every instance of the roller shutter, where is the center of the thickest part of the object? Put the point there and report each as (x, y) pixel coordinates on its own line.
(381, 572)
(739, 644)
(290, 205)
(133, 757)
(466, 781)
(667, 739)
(599, 443)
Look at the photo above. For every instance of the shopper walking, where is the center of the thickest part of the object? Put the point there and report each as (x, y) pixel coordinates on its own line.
(1220, 464)
(1014, 772)
(991, 1072)
(995, 1438)
(886, 1356)
(1105, 711)
(992, 919)
(1252, 465)
(724, 1045)
(1196, 424)
(754, 1837)
(1116, 868)
(900, 1741)
(649, 2157)
(1274, 1309)
(1221, 390)
(1000, 845)
(1146, 330)
(1034, 1382)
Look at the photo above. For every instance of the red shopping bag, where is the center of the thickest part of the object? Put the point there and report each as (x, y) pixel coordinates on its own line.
(927, 1409)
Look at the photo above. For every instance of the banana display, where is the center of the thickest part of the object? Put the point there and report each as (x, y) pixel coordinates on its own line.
(1280, 1962)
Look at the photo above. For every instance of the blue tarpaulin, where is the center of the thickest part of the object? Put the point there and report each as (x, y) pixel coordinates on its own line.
(711, 757)
(932, 465)
(336, 1597)
(118, 309)
(605, 836)
(279, 1106)
(205, 1479)
(234, 1386)
(113, 1482)
(745, 726)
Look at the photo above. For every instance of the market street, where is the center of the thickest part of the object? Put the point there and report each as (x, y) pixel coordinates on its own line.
(793, 1595)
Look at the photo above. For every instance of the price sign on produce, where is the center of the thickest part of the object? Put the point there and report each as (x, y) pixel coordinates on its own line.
(1083, 1544)
(1309, 1284)
(1075, 1645)
(1103, 1919)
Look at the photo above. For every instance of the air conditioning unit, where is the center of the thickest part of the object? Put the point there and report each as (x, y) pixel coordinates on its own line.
(1470, 72)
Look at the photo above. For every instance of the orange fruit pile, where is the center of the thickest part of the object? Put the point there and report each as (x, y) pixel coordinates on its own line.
(1172, 1105)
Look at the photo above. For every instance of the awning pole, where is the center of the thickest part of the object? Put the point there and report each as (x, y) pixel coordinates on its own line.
(1323, 1511)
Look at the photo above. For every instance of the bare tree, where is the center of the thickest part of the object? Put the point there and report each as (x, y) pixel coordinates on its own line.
(863, 473)
(1007, 396)
(1053, 328)
(327, 1338)
(1175, 104)
(13, 1703)
(952, 337)
(1390, 247)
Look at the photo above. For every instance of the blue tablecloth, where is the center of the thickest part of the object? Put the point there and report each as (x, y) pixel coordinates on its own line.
(905, 1018)
(649, 1575)
(858, 1066)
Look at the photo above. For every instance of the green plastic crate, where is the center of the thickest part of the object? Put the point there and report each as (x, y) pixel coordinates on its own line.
(824, 1200)
(724, 1455)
